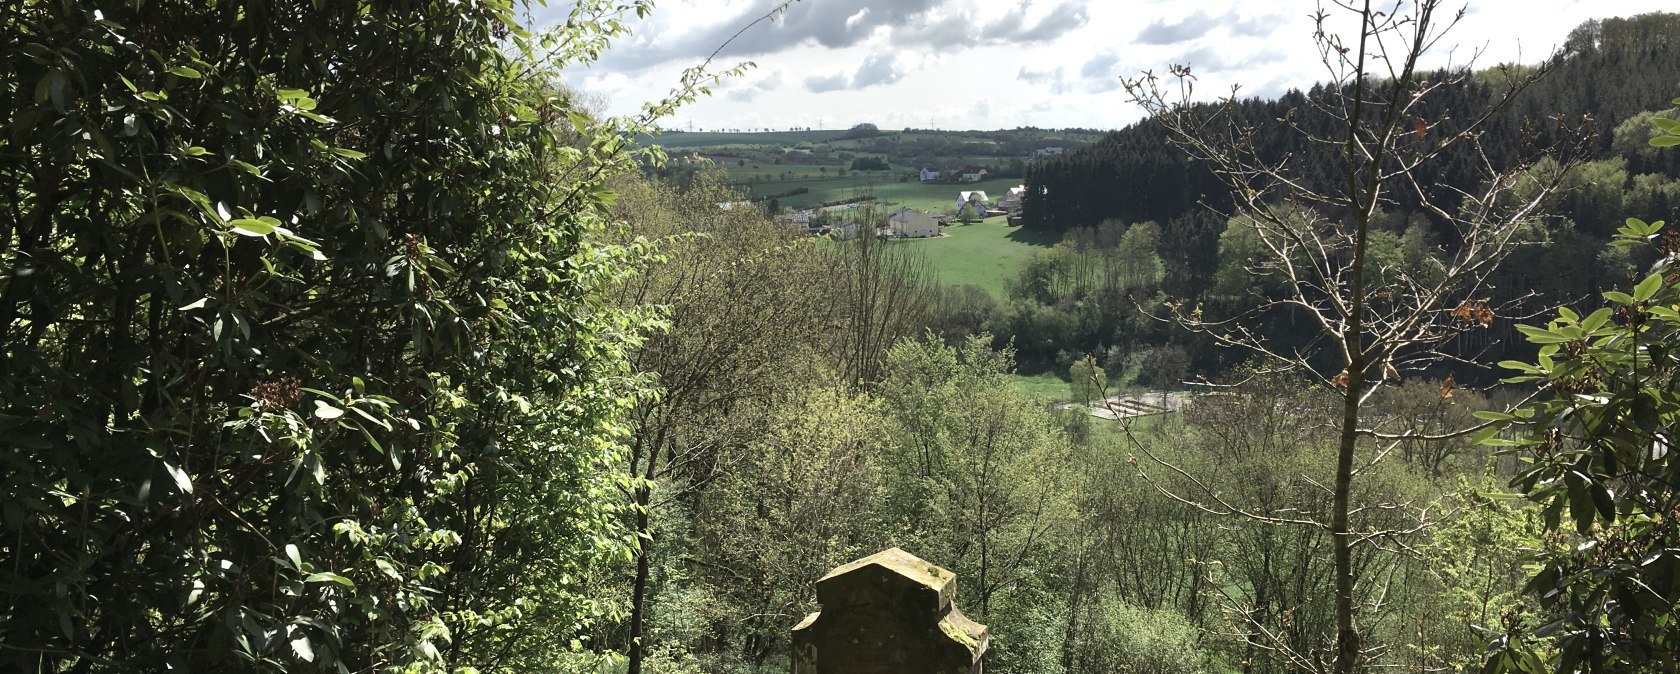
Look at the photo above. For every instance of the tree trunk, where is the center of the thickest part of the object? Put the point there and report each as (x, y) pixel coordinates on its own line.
(1347, 637)
(638, 594)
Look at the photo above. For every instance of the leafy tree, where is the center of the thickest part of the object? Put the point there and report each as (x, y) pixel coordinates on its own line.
(870, 164)
(1087, 381)
(742, 327)
(307, 365)
(975, 468)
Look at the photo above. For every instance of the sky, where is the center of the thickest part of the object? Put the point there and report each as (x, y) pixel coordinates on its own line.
(991, 64)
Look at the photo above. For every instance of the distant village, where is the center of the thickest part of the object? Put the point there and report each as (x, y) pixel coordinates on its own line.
(844, 221)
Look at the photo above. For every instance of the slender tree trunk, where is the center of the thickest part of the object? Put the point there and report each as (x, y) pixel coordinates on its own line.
(635, 651)
(1076, 592)
(638, 594)
(1347, 637)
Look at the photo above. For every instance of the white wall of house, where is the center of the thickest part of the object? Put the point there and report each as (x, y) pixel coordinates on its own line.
(912, 223)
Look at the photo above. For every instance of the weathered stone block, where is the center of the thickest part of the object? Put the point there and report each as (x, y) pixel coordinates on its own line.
(888, 613)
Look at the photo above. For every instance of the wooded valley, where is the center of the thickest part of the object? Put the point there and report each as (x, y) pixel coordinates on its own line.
(343, 337)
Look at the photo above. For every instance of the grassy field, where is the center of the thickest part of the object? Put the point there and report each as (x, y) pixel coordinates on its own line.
(1043, 386)
(986, 253)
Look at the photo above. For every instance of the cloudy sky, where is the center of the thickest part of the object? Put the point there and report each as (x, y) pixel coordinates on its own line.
(986, 64)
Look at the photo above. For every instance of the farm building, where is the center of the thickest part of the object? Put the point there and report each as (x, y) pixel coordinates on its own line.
(929, 174)
(1011, 201)
(911, 223)
(1043, 152)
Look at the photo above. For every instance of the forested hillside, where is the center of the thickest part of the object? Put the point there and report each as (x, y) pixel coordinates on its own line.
(1606, 83)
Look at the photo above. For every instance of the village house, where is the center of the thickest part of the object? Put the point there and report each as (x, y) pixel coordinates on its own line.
(1011, 201)
(977, 199)
(911, 223)
(1043, 152)
(929, 175)
(845, 231)
(972, 174)
(801, 220)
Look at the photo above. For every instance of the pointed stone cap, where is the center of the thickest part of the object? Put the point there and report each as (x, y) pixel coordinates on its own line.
(888, 613)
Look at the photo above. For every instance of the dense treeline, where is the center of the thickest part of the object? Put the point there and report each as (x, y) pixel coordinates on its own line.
(1607, 83)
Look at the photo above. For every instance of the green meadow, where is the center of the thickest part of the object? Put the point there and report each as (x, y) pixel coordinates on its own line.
(986, 253)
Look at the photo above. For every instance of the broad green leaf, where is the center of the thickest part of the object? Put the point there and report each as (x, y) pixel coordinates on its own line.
(184, 71)
(252, 227)
(327, 412)
(1648, 288)
(302, 649)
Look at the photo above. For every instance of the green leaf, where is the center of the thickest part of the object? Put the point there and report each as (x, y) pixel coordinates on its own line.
(1665, 141)
(1648, 288)
(182, 481)
(292, 554)
(330, 577)
(247, 167)
(1619, 297)
(327, 412)
(183, 71)
(1541, 335)
(1597, 319)
(252, 227)
(301, 648)
(349, 153)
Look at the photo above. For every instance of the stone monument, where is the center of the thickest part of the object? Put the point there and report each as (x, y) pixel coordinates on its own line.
(888, 613)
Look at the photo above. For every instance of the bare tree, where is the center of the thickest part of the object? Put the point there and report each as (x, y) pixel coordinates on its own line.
(881, 290)
(1376, 319)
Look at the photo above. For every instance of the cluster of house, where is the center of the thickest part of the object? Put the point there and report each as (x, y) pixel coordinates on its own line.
(982, 205)
(962, 174)
(909, 223)
(903, 223)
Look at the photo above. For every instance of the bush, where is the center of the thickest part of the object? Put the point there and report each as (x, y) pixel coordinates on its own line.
(1121, 637)
(870, 164)
(301, 340)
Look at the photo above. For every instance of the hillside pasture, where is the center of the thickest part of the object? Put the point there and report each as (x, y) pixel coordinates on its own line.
(987, 253)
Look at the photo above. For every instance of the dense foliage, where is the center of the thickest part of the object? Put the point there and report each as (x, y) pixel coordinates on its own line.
(306, 364)
(1597, 447)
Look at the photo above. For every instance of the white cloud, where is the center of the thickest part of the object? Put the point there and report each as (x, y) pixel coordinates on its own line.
(1056, 63)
